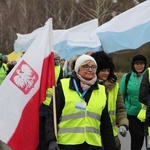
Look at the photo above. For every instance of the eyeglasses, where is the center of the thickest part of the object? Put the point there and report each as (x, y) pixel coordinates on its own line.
(87, 67)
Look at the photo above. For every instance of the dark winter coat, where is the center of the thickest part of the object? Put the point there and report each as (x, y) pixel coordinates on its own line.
(105, 128)
(144, 94)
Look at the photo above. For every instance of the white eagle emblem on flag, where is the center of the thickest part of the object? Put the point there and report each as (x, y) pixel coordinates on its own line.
(24, 77)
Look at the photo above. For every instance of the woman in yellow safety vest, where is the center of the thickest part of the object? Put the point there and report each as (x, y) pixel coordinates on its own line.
(82, 117)
(116, 107)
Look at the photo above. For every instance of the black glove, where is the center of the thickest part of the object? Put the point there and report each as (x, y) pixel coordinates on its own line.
(53, 145)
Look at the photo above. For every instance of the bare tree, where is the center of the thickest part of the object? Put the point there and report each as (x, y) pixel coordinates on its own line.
(24, 16)
(102, 9)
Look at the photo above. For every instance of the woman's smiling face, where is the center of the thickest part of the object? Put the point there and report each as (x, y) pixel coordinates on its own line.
(88, 70)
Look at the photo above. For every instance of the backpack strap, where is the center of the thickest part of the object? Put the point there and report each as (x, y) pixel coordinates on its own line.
(126, 82)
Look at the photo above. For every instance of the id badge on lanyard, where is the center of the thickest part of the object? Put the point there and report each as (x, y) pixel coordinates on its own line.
(82, 104)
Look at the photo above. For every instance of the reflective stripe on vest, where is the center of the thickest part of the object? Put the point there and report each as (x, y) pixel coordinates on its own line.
(77, 125)
(79, 130)
(80, 115)
(112, 98)
(49, 91)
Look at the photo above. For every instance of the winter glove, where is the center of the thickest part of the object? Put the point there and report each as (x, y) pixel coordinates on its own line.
(109, 85)
(53, 145)
(123, 131)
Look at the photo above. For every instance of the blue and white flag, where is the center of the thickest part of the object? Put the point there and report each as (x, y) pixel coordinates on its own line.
(23, 41)
(64, 41)
(129, 30)
(77, 40)
(79, 43)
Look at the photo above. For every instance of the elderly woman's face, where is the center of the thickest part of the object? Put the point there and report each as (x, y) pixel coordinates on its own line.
(88, 71)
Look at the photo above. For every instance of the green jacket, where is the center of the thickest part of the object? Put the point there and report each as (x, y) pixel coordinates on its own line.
(131, 94)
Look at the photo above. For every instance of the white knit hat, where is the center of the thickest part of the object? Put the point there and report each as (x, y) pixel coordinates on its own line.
(81, 60)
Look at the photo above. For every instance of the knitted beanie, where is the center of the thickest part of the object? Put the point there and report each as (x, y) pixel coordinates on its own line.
(138, 58)
(81, 60)
(56, 54)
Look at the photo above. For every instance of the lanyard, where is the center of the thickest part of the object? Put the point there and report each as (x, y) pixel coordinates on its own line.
(77, 90)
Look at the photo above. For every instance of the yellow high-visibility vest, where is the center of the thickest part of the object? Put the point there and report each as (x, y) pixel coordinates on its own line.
(80, 122)
(142, 114)
(3, 72)
(49, 91)
(112, 98)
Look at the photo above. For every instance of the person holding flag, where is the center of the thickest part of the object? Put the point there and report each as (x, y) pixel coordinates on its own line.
(27, 84)
(44, 106)
(82, 117)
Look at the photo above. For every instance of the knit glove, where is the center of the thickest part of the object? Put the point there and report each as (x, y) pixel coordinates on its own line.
(123, 131)
(53, 145)
(109, 85)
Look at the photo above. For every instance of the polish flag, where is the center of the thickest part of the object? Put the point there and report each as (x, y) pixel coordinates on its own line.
(23, 90)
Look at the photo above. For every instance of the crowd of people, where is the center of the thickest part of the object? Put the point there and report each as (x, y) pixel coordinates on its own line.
(5, 67)
(92, 107)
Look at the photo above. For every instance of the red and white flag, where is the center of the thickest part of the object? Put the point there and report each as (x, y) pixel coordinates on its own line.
(23, 90)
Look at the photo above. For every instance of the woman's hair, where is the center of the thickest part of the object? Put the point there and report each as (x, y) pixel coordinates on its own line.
(104, 61)
(72, 63)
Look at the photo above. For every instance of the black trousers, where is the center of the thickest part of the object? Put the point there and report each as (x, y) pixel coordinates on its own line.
(83, 146)
(42, 137)
(136, 129)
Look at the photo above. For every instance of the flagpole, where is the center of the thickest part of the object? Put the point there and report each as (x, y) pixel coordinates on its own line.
(54, 99)
(54, 112)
